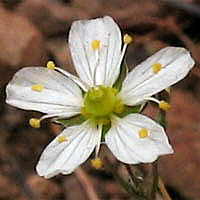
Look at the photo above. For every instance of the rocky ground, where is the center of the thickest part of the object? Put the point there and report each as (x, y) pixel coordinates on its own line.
(35, 31)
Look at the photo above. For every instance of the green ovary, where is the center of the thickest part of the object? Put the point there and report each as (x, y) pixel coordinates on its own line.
(100, 103)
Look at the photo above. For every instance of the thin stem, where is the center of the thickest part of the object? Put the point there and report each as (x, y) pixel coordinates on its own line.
(129, 189)
(163, 190)
(155, 180)
(161, 118)
(86, 183)
(134, 178)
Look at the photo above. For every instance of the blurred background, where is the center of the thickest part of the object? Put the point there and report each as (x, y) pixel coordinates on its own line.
(35, 31)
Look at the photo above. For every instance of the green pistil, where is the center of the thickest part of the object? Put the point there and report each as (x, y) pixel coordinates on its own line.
(100, 103)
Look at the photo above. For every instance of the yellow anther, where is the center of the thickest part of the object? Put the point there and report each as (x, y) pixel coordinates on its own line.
(37, 87)
(143, 133)
(97, 163)
(119, 107)
(156, 67)
(84, 112)
(62, 138)
(103, 121)
(127, 39)
(35, 123)
(51, 65)
(96, 44)
(164, 105)
(115, 91)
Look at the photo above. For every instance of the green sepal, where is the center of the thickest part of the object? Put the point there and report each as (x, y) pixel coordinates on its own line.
(105, 129)
(75, 120)
(161, 118)
(129, 110)
(121, 77)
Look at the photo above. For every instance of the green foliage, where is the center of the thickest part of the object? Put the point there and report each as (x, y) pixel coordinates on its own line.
(105, 130)
(76, 120)
(128, 110)
(121, 77)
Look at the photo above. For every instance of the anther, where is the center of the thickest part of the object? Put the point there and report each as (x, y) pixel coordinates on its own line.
(104, 121)
(119, 107)
(115, 91)
(127, 39)
(97, 163)
(156, 67)
(62, 138)
(37, 87)
(35, 123)
(96, 45)
(143, 133)
(164, 105)
(96, 94)
(51, 65)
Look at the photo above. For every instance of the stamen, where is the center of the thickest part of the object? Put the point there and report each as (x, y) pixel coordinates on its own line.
(127, 39)
(119, 106)
(115, 91)
(37, 87)
(84, 112)
(99, 141)
(78, 81)
(103, 121)
(156, 67)
(35, 123)
(62, 138)
(143, 133)
(96, 94)
(97, 163)
(96, 44)
(164, 105)
(152, 99)
(51, 65)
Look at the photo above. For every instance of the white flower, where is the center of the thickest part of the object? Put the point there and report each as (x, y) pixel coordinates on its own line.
(97, 55)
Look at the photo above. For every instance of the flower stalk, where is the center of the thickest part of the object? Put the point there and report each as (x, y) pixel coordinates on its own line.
(162, 120)
(128, 187)
(154, 187)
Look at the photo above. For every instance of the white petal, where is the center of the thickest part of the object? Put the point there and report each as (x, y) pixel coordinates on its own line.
(124, 141)
(141, 82)
(59, 95)
(65, 157)
(98, 67)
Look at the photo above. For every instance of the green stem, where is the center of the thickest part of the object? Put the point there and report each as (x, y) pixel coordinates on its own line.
(134, 179)
(127, 186)
(161, 118)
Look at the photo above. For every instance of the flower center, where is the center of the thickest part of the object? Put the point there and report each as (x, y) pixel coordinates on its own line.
(100, 103)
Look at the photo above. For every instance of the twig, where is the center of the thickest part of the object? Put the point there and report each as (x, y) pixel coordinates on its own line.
(163, 190)
(86, 183)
